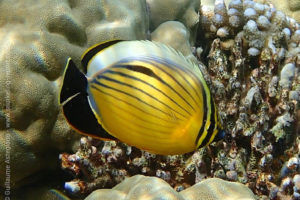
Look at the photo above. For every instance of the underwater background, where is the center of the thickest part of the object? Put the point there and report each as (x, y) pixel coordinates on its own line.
(248, 52)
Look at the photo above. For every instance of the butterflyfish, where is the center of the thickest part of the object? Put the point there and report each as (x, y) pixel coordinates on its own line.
(142, 93)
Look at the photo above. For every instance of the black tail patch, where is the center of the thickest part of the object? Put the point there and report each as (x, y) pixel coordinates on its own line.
(75, 104)
(91, 52)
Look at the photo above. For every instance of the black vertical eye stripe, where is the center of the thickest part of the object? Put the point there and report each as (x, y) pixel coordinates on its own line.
(211, 126)
(205, 109)
(132, 105)
(144, 82)
(130, 95)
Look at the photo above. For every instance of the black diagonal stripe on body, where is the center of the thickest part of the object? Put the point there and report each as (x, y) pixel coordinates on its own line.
(130, 95)
(205, 109)
(158, 78)
(101, 76)
(133, 106)
(169, 62)
(212, 124)
(144, 82)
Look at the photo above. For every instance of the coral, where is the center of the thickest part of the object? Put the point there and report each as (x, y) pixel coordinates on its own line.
(179, 40)
(140, 187)
(109, 163)
(35, 43)
(290, 8)
(255, 80)
(43, 193)
(103, 164)
(214, 188)
(170, 10)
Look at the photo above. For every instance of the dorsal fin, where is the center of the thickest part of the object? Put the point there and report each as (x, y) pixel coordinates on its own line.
(93, 50)
(193, 66)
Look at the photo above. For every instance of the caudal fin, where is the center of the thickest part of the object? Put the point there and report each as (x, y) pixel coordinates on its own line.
(75, 104)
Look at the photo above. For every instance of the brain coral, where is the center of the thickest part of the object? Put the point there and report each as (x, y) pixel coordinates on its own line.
(152, 188)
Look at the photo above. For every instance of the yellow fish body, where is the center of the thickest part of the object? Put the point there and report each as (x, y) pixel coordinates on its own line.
(142, 93)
